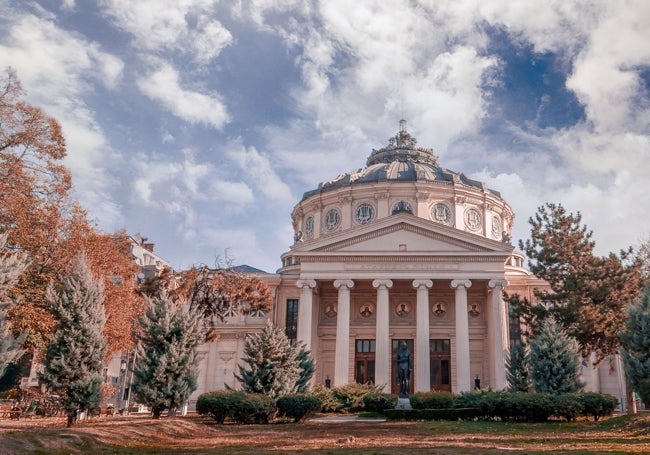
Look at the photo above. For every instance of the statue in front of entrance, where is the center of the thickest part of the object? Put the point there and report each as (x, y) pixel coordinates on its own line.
(403, 369)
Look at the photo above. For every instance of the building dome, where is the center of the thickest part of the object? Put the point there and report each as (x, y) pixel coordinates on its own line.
(402, 177)
(400, 161)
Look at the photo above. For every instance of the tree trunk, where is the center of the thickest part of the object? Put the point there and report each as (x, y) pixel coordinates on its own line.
(631, 401)
(157, 412)
(72, 418)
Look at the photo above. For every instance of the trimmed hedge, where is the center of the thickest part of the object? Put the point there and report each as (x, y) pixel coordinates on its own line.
(507, 406)
(241, 407)
(432, 400)
(298, 406)
(379, 402)
(431, 414)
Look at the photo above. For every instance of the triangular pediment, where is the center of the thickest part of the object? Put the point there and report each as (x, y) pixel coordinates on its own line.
(404, 233)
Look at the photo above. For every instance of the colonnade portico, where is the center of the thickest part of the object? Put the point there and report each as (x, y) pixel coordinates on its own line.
(497, 330)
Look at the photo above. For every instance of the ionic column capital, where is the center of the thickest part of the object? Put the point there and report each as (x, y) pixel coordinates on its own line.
(455, 284)
(344, 283)
(419, 283)
(306, 283)
(385, 283)
(498, 283)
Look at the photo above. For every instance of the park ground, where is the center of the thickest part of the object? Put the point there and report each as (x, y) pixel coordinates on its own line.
(195, 435)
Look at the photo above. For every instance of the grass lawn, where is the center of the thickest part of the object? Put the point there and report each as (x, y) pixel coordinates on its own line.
(142, 435)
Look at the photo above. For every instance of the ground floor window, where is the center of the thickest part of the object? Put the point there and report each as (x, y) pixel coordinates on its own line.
(291, 323)
(440, 364)
(364, 361)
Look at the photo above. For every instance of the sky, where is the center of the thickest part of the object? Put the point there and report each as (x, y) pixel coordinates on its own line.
(199, 124)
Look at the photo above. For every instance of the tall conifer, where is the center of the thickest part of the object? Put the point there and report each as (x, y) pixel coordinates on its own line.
(75, 357)
(12, 265)
(273, 366)
(555, 361)
(518, 369)
(636, 342)
(167, 367)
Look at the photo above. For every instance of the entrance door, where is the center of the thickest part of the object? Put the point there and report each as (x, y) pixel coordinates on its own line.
(440, 364)
(394, 383)
(364, 362)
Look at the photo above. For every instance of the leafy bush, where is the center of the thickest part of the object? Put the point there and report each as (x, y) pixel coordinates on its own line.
(215, 404)
(329, 403)
(298, 406)
(241, 407)
(432, 400)
(567, 406)
(597, 404)
(379, 402)
(351, 395)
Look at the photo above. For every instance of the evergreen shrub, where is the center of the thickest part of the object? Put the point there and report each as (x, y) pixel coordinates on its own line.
(596, 404)
(567, 406)
(432, 400)
(241, 407)
(379, 402)
(298, 406)
(431, 414)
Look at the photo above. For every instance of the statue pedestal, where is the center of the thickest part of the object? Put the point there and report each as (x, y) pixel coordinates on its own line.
(403, 403)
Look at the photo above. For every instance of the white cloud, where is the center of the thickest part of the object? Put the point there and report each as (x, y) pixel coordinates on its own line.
(163, 85)
(179, 25)
(58, 69)
(259, 169)
(237, 193)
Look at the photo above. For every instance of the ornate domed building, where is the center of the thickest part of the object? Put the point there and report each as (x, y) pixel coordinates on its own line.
(402, 250)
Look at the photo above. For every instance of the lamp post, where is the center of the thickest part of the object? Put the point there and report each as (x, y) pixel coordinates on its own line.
(123, 366)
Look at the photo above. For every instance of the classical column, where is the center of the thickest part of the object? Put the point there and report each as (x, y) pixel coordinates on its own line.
(305, 311)
(422, 378)
(342, 364)
(498, 334)
(382, 339)
(462, 335)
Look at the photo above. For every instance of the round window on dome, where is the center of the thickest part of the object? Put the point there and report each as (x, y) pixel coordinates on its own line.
(364, 214)
(332, 219)
(309, 227)
(473, 219)
(441, 213)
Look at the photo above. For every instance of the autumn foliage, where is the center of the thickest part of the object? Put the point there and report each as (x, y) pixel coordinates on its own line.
(49, 226)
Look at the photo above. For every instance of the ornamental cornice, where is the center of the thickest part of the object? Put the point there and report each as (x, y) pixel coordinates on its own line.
(402, 259)
(397, 227)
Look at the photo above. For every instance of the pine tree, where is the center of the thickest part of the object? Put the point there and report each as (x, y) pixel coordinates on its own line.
(589, 294)
(554, 359)
(12, 265)
(518, 369)
(636, 342)
(273, 364)
(307, 368)
(167, 367)
(75, 357)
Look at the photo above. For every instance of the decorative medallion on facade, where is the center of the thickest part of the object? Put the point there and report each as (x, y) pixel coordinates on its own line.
(473, 219)
(332, 219)
(401, 207)
(309, 227)
(330, 310)
(474, 309)
(439, 309)
(441, 213)
(364, 214)
(403, 310)
(366, 310)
